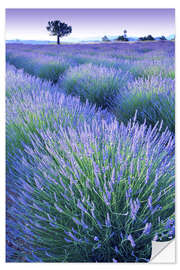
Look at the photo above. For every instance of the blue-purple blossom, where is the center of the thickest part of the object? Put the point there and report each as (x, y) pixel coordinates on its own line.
(116, 249)
(150, 202)
(58, 208)
(108, 222)
(76, 221)
(96, 238)
(130, 238)
(134, 205)
(147, 228)
(155, 237)
(84, 225)
(80, 206)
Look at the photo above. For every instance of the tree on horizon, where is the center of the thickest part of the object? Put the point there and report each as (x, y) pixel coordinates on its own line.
(163, 38)
(59, 29)
(105, 39)
(122, 38)
(149, 37)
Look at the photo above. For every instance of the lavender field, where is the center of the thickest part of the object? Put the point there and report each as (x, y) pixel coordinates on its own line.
(90, 151)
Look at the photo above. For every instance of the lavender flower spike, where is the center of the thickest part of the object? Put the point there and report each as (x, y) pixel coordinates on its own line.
(135, 205)
(150, 202)
(147, 228)
(130, 238)
(96, 238)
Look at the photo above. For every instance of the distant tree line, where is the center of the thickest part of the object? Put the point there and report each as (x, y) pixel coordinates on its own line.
(125, 38)
(149, 37)
(119, 38)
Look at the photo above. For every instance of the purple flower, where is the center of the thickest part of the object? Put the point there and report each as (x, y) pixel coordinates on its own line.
(134, 205)
(147, 176)
(80, 206)
(74, 231)
(67, 240)
(55, 197)
(150, 202)
(138, 167)
(156, 208)
(96, 181)
(106, 200)
(108, 222)
(58, 208)
(113, 175)
(76, 221)
(156, 180)
(84, 225)
(38, 184)
(147, 228)
(96, 238)
(130, 238)
(155, 237)
(116, 249)
(73, 237)
(131, 168)
(128, 193)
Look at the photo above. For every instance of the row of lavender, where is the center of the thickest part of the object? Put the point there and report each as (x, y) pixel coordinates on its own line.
(82, 187)
(49, 62)
(122, 77)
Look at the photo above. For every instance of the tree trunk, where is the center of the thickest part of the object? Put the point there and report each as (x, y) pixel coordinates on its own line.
(58, 40)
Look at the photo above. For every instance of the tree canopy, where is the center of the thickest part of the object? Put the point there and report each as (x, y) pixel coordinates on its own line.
(149, 37)
(122, 38)
(59, 29)
(163, 38)
(105, 38)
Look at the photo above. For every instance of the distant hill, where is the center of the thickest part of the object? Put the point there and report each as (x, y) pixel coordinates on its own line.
(30, 41)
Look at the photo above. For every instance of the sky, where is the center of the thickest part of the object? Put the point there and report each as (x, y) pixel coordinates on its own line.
(30, 24)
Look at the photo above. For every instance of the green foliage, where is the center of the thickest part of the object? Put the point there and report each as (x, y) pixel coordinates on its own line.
(52, 71)
(46, 69)
(149, 37)
(163, 38)
(105, 39)
(154, 102)
(122, 38)
(95, 83)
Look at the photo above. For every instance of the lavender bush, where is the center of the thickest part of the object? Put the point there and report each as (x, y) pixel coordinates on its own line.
(154, 98)
(34, 104)
(96, 84)
(45, 67)
(100, 193)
